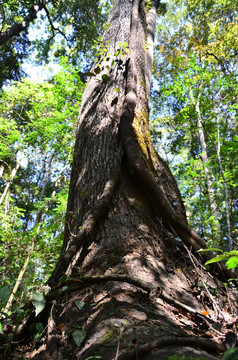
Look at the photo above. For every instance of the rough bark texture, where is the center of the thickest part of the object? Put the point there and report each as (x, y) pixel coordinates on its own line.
(142, 293)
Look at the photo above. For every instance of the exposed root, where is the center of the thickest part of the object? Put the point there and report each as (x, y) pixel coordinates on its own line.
(165, 341)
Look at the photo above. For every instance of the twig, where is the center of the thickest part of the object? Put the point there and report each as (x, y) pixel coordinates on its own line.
(205, 286)
(52, 25)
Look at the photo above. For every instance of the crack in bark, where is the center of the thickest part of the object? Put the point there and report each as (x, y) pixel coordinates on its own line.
(71, 255)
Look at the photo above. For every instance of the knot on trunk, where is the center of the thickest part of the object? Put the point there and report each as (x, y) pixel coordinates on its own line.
(131, 98)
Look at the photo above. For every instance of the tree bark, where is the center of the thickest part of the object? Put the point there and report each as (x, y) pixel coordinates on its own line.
(124, 285)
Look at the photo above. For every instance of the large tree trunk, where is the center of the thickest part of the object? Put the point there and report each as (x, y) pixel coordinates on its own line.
(124, 284)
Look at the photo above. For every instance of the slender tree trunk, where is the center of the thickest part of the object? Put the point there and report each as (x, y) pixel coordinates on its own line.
(204, 157)
(122, 287)
(38, 222)
(22, 272)
(228, 222)
(11, 178)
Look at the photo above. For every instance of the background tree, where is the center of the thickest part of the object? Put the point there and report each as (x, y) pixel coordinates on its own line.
(124, 284)
(197, 92)
(32, 166)
(36, 144)
(60, 28)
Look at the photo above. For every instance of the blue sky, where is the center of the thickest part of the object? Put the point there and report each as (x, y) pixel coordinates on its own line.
(42, 72)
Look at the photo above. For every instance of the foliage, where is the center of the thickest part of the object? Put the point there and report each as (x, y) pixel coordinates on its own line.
(231, 257)
(11, 60)
(37, 129)
(217, 22)
(66, 27)
(189, 72)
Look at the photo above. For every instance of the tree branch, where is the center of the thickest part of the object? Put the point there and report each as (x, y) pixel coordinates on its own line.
(224, 70)
(15, 29)
(52, 25)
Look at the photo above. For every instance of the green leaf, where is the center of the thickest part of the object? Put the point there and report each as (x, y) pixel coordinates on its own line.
(79, 336)
(233, 252)
(4, 293)
(231, 354)
(39, 327)
(217, 258)
(97, 70)
(105, 78)
(62, 279)
(39, 302)
(202, 251)
(232, 262)
(89, 73)
(79, 304)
